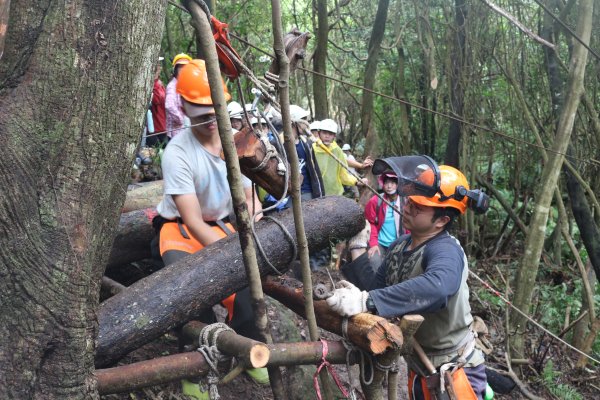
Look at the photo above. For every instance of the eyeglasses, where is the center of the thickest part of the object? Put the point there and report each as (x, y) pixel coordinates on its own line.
(204, 119)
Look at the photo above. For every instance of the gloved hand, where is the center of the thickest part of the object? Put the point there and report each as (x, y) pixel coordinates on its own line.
(348, 300)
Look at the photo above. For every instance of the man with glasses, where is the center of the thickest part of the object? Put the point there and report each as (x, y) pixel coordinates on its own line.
(425, 272)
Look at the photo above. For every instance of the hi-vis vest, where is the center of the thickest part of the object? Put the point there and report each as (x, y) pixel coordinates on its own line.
(442, 333)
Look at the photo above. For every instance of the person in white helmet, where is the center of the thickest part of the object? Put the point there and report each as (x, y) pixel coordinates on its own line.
(335, 176)
(236, 115)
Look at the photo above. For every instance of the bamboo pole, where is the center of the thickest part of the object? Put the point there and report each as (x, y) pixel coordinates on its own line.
(235, 182)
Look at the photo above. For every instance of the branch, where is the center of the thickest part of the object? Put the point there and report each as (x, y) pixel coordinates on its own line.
(519, 25)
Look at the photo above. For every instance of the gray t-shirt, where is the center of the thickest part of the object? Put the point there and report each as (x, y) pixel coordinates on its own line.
(189, 168)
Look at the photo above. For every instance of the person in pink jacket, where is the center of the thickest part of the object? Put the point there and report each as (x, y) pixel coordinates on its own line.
(386, 224)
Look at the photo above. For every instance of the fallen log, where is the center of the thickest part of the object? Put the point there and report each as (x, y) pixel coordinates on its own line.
(143, 195)
(132, 242)
(181, 291)
(189, 365)
(370, 332)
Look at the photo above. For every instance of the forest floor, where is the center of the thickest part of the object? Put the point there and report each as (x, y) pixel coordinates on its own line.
(561, 381)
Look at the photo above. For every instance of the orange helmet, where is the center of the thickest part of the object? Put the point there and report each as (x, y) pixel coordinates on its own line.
(192, 84)
(450, 178)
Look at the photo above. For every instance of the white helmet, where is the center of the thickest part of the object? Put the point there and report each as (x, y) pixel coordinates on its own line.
(297, 113)
(315, 126)
(329, 125)
(235, 110)
(346, 147)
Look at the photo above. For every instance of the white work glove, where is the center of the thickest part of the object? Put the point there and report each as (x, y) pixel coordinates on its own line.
(348, 300)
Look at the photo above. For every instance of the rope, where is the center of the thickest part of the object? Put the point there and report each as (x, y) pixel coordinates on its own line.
(534, 322)
(441, 114)
(326, 364)
(212, 355)
(364, 357)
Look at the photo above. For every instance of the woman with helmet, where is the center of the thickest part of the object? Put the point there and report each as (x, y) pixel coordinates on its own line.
(425, 272)
(386, 224)
(176, 119)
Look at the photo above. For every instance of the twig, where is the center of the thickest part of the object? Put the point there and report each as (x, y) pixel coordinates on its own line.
(510, 373)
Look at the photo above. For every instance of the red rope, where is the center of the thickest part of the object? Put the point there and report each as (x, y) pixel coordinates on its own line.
(334, 375)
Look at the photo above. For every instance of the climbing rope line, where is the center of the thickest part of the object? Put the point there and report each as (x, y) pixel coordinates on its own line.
(537, 324)
(439, 113)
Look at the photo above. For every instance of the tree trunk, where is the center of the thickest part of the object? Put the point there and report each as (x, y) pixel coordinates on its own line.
(75, 80)
(526, 275)
(590, 234)
(181, 291)
(320, 62)
(457, 88)
(366, 108)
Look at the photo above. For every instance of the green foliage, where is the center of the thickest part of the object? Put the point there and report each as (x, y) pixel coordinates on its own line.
(551, 378)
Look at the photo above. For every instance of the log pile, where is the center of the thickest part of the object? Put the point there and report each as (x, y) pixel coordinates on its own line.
(180, 292)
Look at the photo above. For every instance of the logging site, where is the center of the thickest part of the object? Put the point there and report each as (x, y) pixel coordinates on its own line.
(300, 199)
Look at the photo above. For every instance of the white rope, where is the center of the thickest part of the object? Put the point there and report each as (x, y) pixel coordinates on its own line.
(212, 355)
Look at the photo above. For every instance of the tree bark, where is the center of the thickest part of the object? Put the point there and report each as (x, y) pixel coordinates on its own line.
(528, 268)
(178, 293)
(320, 62)
(75, 80)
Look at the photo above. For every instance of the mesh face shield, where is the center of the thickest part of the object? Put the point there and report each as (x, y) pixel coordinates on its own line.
(417, 175)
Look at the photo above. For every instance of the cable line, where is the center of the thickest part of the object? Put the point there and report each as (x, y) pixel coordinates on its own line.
(555, 17)
(439, 113)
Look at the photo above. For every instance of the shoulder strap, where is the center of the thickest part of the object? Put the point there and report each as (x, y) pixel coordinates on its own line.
(379, 203)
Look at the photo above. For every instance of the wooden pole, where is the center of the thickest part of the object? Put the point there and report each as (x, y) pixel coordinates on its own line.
(234, 177)
(250, 352)
(281, 68)
(189, 365)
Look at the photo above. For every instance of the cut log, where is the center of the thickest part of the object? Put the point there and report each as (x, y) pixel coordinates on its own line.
(250, 352)
(251, 152)
(132, 242)
(370, 332)
(143, 195)
(181, 291)
(280, 354)
(162, 370)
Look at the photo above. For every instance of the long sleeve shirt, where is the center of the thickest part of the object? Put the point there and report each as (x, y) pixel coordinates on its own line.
(174, 108)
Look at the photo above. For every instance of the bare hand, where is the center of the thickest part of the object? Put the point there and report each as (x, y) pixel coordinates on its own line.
(368, 162)
(362, 182)
(374, 250)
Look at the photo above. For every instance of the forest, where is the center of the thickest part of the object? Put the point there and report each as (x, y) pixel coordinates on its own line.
(505, 91)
